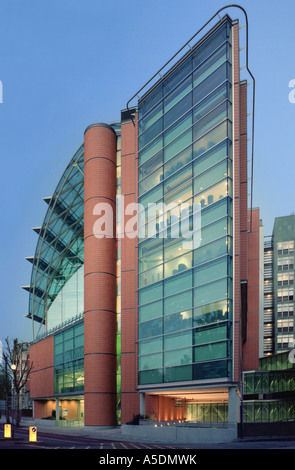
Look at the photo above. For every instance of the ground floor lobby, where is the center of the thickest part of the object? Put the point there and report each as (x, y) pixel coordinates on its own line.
(190, 405)
(202, 405)
(67, 409)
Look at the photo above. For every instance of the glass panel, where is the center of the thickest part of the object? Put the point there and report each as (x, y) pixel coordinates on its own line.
(178, 265)
(178, 321)
(178, 357)
(257, 412)
(178, 179)
(179, 92)
(211, 176)
(209, 140)
(178, 340)
(212, 250)
(151, 117)
(207, 160)
(211, 44)
(214, 118)
(150, 362)
(248, 412)
(178, 110)
(151, 276)
(150, 150)
(209, 352)
(151, 328)
(179, 195)
(178, 302)
(149, 245)
(150, 311)
(208, 104)
(150, 377)
(183, 141)
(216, 211)
(265, 412)
(151, 165)
(147, 104)
(210, 334)
(215, 312)
(257, 383)
(178, 283)
(150, 346)
(177, 76)
(221, 74)
(150, 133)
(211, 292)
(151, 181)
(214, 194)
(211, 271)
(249, 383)
(178, 128)
(216, 230)
(150, 261)
(178, 162)
(150, 293)
(211, 64)
(177, 374)
(153, 196)
(210, 370)
(175, 249)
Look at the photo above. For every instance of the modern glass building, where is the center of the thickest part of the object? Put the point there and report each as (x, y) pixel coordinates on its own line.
(269, 391)
(140, 277)
(279, 286)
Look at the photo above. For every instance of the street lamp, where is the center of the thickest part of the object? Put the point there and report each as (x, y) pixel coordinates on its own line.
(13, 368)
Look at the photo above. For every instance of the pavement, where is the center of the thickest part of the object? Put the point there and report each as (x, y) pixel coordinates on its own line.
(115, 434)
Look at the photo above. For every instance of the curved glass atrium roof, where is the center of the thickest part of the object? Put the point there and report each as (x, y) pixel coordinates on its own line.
(56, 288)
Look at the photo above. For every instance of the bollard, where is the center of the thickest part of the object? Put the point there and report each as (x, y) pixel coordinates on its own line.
(7, 430)
(33, 434)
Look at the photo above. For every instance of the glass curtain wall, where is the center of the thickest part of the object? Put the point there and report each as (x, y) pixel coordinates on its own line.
(185, 157)
(117, 128)
(69, 360)
(56, 288)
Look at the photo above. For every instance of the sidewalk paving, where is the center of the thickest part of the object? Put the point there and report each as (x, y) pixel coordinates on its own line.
(115, 434)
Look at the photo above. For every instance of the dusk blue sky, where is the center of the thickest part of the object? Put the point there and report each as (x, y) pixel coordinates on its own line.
(65, 64)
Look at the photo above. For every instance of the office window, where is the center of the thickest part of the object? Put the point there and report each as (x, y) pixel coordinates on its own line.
(285, 310)
(285, 263)
(285, 248)
(285, 326)
(285, 295)
(285, 279)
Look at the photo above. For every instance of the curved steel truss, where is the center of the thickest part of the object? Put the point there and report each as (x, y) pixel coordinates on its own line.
(60, 247)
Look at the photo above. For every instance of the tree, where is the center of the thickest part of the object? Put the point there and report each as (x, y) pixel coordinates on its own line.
(16, 370)
(5, 385)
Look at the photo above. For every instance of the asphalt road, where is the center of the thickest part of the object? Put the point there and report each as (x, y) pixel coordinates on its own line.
(47, 440)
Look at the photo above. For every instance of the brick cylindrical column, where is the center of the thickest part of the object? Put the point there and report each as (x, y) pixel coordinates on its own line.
(100, 275)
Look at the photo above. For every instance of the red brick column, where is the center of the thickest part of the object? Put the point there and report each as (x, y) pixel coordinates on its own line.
(99, 278)
(251, 347)
(129, 164)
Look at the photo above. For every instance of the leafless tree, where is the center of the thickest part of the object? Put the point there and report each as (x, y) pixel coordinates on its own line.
(17, 370)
